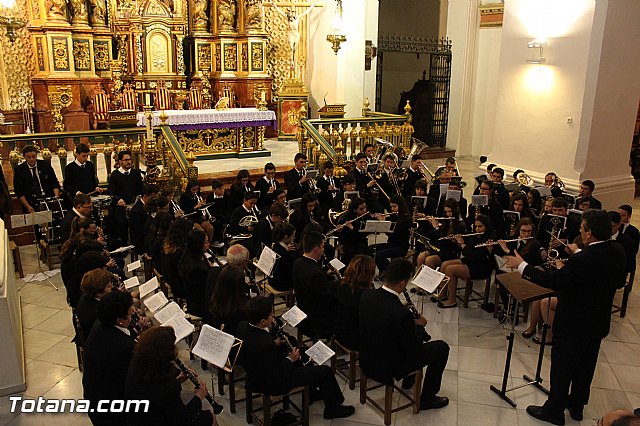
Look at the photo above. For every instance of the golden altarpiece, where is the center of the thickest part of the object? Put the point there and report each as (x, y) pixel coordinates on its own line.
(76, 48)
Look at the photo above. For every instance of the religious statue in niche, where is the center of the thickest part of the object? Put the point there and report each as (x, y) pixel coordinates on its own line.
(200, 18)
(253, 15)
(294, 30)
(226, 15)
(98, 13)
(79, 8)
(57, 9)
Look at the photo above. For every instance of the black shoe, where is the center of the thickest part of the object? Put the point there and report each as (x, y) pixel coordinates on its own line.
(575, 411)
(541, 414)
(204, 365)
(434, 402)
(438, 299)
(339, 412)
(409, 381)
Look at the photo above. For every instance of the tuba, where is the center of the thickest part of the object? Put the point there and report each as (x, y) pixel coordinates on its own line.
(524, 179)
(557, 184)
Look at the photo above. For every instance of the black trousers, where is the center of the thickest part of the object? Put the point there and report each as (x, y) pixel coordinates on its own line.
(321, 380)
(435, 356)
(573, 363)
(383, 252)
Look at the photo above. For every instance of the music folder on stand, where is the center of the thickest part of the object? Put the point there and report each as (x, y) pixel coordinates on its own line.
(523, 291)
(377, 227)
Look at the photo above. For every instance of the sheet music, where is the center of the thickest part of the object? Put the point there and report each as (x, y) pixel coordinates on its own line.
(40, 276)
(149, 287)
(214, 345)
(501, 262)
(378, 226)
(180, 326)
(351, 194)
(131, 283)
(133, 266)
(544, 191)
(337, 264)
(428, 279)
(320, 353)
(454, 193)
(156, 301)
(294, 316)
(121, 249)
(36, 218)
(444, 187)
(169, 310)
(419, 200)
(267, 260)
(479, 200)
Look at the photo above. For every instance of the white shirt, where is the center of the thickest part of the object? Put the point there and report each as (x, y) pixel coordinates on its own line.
(78, 213)
(384, 287)
(124, 330)
(123, 171)
(79, 163)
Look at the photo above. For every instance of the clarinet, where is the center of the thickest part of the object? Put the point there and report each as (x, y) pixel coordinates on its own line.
(217, 408)
(421, 332)
(215, 258)
(278, 331)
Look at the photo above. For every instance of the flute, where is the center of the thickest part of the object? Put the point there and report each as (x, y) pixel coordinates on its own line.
(497, 242)
(454, 236)
(436, 218)
(217, 408)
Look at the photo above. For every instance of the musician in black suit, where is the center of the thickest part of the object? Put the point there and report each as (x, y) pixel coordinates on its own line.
(220, 209)
(82, 207)
(269, 371)
(306, 212)
(629, 230)
(107, 354)
(389, 345)
(329, 186)
(80, 175)
(283, 245)
(625, 241)
(348, 184)
(559, 207)
(586, 285)
(315, 293)
(365, 184)
(436, 197)
(296, 179)
(138, 217)
(414, 174)
(267, 186)
(501, 193)
(34, 179)
(248, 208)
(586, 190)
(369, 150)
(191, 202)
(264, 228)
(125, 184)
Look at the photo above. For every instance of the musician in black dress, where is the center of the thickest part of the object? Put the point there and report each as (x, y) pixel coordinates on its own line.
(493, 209)
(152, 376)
(296, 180)
(241, 186)
(535, 202)
(95, 284)
(80, 175)
(306, 212)
(283, 244)
(125, 184)
(138, 217)
(442, 248)
(194, 270)
(228, 302)
(267, 185)
(108, 351)
(476, 263)
(398, 241)
(358, 276)
(34, 179)
(436, 196)
(190, 203)
(172, 250)
(352, 240)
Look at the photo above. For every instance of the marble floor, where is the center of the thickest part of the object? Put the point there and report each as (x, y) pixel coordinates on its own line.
(476, 361)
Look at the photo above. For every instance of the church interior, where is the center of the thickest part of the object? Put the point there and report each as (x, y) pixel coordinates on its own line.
(198, 90)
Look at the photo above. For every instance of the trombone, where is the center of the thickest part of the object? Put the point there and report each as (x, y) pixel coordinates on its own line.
(378, 185)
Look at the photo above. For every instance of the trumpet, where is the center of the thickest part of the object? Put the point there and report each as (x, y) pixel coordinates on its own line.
(454, 236)
(493, 243)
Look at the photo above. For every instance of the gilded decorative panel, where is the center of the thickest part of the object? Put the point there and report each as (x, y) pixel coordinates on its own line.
(230, 57)
(257, 56)
(60, 48)
(208, 141)
(158, 58)
(40, 54)
(101, 55)
(81, 55)
(204, 56)
(218, 56)
(245, 57)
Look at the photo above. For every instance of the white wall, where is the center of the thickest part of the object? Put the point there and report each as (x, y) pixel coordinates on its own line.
(341, 77)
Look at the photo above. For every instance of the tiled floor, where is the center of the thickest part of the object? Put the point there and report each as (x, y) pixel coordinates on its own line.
(474, 364)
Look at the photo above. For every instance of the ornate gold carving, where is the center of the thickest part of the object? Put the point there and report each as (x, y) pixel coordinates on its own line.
(35, 8)
(200, 18)
(293, 116)
(204, 56)
(40, 54)
(218, 60)
(230, 57)
(98, 13)
(155, 8)
(101, 55)
(257, 57)
(245, 57)
(248, 139)
(226, 15)
(81, 55)
(80, 15)
(158, 53)
(57, 10)
(19, 64)
(60, 53)
(207, 141)
(253, 15)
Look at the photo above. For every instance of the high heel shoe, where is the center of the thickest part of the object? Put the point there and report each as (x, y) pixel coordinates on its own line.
(527, 334)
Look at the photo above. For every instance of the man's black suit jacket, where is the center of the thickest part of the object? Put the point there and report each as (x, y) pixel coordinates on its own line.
(325, 197)
(294, 189)
(65, 225)
(586, 286)
(137, 221)
(266, 199)
(629, 250)
(633, 233)
(268, 370)
(80, 179)
(389, 345)
(125, 187)
(106, 362)
(410, 183)
(315, 294)
(23, 184)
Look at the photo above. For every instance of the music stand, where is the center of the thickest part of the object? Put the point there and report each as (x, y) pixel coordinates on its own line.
(377, 227)
(523, 291)
(33, 219)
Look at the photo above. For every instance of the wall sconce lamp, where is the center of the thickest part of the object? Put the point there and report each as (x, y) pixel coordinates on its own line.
(337, 33)
(11, 24)
(539, 44)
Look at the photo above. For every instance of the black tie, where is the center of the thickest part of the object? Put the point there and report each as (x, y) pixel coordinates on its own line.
(82, 165)
(126, 173)
(301, 173)
(36, 182)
